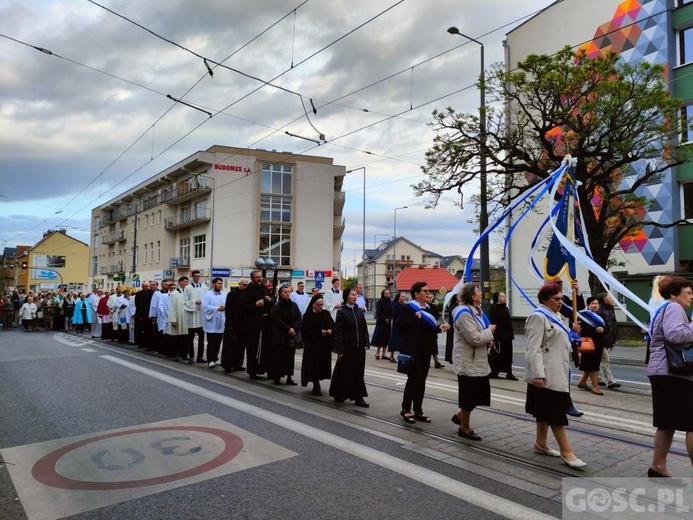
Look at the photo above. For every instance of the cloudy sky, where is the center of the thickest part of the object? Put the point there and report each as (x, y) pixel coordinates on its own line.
(92, 119)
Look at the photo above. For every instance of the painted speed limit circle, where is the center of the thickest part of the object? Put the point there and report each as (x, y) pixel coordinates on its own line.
(137, 458)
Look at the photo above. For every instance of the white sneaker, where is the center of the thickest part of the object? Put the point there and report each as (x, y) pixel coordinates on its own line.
(212, 364)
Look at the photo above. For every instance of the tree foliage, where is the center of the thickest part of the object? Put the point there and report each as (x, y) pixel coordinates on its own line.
(616, 119)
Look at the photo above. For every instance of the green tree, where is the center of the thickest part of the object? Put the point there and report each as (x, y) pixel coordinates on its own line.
(616, 119)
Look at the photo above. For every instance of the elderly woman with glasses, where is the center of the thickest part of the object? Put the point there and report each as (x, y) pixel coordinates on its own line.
(672, 394)
(547, 361)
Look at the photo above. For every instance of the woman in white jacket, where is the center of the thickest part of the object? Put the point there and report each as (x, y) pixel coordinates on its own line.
(473, 337)
(547, 361)
(28, 313)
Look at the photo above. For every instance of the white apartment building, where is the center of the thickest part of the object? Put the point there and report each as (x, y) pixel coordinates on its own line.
(219, 210)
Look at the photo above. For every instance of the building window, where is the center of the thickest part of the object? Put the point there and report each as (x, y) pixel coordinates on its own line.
(275, 242)
(96, 241)
(275, 209)
(146, 221)
(158, 217)
(688, 200)
(144, 260)
(200, 246)
(185, 214)
(184, 251)
(277, 179)
(158, 251)
(95, 269)
(201, 209)
(151, 252)
(276, 212)
(686, 117)
(686, 46)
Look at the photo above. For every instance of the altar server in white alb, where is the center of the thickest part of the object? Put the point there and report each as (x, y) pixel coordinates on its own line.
(162, 323)
(192, 303)
(178, 321)
(214, 320)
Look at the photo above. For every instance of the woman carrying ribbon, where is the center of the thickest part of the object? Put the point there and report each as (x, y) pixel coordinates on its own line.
(591, 326)
(419, 327)
(473, 338)
(546, 371)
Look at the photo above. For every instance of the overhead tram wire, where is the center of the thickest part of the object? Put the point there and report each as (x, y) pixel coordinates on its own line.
(240, 99)
(50, 53)
(346, 95)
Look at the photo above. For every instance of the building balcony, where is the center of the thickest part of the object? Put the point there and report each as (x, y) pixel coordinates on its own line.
(180, 262)
(112, 269)
(180, 221)
(338, 227)
(339, 199)
(114, 236)
(188, 189)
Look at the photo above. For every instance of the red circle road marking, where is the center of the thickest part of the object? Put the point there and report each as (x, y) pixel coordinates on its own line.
(44, 469)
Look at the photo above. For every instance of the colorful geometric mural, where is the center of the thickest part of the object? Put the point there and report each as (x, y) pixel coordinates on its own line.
(638, 31)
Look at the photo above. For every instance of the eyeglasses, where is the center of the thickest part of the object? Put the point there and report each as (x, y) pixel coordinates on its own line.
(557, 298)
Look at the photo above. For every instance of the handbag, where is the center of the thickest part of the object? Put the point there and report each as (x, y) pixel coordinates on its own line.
(586, 345)
(403, 363)
(296, 341)
(679, 358)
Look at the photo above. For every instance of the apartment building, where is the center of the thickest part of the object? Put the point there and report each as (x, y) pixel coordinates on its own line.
(218, 211)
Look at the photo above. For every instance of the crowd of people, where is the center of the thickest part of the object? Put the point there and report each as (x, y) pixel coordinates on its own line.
(265, 328)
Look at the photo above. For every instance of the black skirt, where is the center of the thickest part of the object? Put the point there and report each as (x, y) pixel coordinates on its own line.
(589, 361)
(672, 403)
(473, 392)
(547, 406)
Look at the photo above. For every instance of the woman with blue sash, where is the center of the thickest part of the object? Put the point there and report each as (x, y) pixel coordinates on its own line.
(473, 338)
(547, 360)
(418, 322)
(591, 326)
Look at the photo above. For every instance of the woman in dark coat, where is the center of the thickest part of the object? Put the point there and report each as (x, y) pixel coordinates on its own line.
(591, 326)
(502, 352)
(381, 334)
(396, 337)
(450, 334)
(318, 327)
(351, 342)
(286, 326)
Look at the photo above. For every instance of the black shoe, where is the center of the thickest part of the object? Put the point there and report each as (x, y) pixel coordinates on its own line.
(614, 386)
(253, 377)
(201, 360)
(291, 382)
(338, 400)
(361, 403)
(456, 420)
(510, 377)
(602, 383)
(471, 435)
(652, 473)
(493, 375)
(276, 382)
(574, 412)
(438, 365)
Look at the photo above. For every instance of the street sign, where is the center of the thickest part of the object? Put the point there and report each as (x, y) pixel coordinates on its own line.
(318, 285)
(319, 277)
(221, 272)
(116, 278)
(136, 283)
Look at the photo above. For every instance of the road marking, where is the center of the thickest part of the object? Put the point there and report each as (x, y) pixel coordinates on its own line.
(465, 492)
(65, 477)
(88, 350)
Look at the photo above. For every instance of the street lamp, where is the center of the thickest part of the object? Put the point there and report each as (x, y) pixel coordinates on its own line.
(363, 226)
(483, 209)
(394, 248)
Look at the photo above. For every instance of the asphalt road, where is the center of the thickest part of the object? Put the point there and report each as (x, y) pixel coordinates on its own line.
(90, 430)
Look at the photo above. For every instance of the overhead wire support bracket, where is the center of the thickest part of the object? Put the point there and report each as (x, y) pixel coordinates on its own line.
(188, 104)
